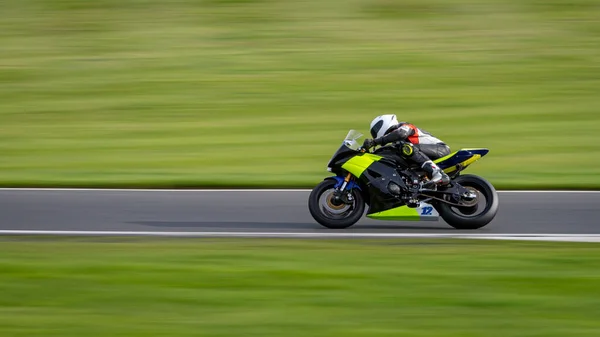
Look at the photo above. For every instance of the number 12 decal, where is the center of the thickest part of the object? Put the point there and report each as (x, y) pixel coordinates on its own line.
(427, 210)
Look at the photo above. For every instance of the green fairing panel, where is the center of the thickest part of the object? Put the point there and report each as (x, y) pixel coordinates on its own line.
(405, 213)
(358, 164)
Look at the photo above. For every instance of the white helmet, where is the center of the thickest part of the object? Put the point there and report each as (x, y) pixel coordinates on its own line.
(382, 124)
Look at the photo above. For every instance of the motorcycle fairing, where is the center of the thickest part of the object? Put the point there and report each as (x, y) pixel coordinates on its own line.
(459, 160)
(376, 178)
(425, 212)
(358, 164)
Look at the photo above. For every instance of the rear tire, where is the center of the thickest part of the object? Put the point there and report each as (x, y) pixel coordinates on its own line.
(463, 218)
(332, 216)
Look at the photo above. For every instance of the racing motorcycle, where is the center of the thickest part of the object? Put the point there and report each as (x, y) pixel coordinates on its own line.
(394, 189)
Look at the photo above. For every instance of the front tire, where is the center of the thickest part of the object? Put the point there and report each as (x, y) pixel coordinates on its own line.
(330, 215)
(467, 217)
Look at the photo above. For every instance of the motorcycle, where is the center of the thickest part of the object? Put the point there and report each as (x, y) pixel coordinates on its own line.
(394, 189)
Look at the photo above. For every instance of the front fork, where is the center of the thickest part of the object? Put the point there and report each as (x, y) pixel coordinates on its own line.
(346, 181)
(340, 196)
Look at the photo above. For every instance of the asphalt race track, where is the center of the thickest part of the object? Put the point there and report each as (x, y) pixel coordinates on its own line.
(266, 211)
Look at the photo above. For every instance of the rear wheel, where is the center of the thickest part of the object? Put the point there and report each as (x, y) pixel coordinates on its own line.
(478, 211)
(332, 213)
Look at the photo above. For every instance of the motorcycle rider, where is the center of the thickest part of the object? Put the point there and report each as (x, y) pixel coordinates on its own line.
(418, 146)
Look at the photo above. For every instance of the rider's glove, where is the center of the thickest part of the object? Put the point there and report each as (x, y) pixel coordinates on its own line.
(369, 143)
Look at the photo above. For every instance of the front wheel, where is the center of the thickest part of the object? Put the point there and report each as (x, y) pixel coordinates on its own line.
(331, 213)
(477, 212)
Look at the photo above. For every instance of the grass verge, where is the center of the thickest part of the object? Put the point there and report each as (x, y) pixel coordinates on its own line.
(275, 287)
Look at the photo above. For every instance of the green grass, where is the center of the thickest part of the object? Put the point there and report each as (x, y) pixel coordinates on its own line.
(260, 92)
(262, 287)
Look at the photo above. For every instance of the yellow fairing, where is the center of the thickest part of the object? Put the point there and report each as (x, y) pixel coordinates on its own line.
(446, 157)
(464, 163)
(358, 164)
(399, 213)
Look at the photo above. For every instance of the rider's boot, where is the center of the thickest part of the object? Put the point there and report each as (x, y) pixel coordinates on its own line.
(435, 174)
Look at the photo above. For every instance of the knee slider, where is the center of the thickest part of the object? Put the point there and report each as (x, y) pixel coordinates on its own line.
(408, 149)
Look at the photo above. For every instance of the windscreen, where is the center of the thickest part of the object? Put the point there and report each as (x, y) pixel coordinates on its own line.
(351, 139)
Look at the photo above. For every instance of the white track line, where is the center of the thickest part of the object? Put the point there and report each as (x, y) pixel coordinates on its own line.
(236, 190)
(149, 190)
(580, 238)
(529, 237)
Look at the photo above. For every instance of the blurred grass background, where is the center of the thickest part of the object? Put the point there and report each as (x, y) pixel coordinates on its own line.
(261, 287)
(208, 93)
